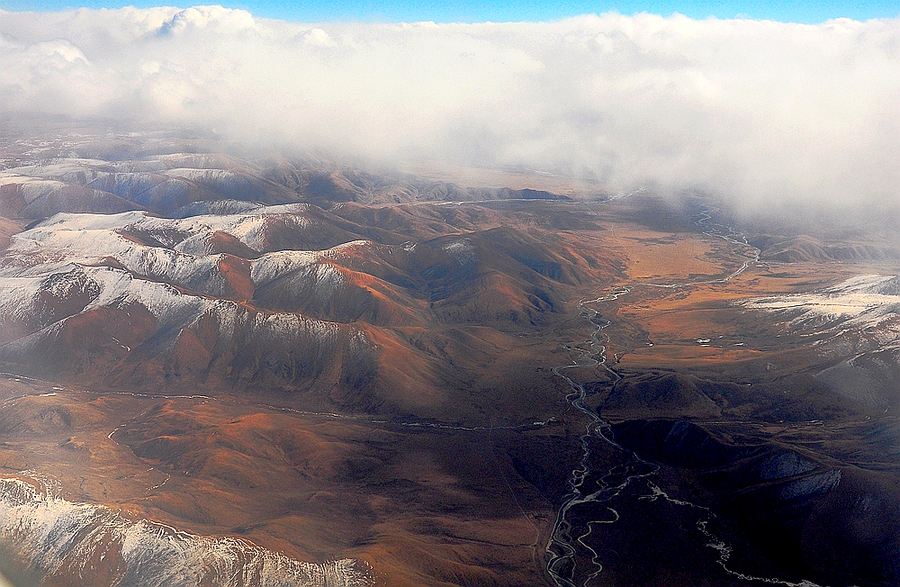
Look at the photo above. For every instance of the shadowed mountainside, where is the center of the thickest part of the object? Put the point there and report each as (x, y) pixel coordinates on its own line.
(295, 360)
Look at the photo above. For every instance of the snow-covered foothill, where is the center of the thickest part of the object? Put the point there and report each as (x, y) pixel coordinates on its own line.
(57, 536)
(862, 302)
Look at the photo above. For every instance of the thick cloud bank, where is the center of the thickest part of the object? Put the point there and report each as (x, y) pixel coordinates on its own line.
(760, 109)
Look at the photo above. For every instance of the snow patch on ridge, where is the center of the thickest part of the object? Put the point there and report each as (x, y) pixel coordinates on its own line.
(272, 266)
(81, 234)
(462, 250)
(30, 188)
(91, 240)
(168, 305)
(18, 298)
(869, 302)
(67, 541)
(21, 300)
(72, 263)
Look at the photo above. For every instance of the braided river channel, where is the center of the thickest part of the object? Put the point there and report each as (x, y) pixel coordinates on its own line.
(617, 524)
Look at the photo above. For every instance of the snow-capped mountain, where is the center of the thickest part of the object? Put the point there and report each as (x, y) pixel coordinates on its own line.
(71, 270)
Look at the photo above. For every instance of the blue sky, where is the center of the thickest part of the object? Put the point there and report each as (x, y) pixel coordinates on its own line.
(510, 10)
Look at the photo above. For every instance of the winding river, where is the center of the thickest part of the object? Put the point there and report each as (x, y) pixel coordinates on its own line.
(603, 496)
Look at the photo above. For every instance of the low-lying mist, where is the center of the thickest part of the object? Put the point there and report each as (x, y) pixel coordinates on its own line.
(770, 114)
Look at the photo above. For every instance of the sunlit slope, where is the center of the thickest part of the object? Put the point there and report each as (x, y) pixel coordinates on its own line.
(333, 364)
(245, 300)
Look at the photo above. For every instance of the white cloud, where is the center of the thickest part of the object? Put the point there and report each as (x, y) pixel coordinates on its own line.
(762, 110)
(221, 20)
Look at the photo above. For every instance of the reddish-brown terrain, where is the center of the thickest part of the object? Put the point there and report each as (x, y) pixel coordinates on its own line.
(335, 364)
